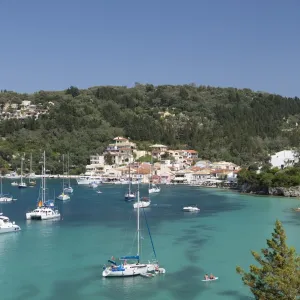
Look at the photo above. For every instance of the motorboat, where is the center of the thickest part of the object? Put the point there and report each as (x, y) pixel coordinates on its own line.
(7, 226)
(14, 183)
(93, 185)
(144, 202)
(45, 209)
(191, 208)
(22, 185)
(86, 180)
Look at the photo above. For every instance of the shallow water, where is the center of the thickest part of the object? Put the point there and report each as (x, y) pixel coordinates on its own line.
(64, 259)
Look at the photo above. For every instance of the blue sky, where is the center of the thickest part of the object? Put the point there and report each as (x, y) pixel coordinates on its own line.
(50, 45)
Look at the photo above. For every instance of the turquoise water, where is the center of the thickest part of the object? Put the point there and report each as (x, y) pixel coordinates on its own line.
(64, 259)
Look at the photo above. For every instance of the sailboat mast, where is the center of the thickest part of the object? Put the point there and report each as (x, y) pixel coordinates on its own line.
(69, 168)
(129, 186)
(63, 171)
(138, 219)
(21, 169)
(30, 164)
(44, 179)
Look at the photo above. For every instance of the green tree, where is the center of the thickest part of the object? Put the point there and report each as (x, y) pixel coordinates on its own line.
(278, 277)
(108, 159)
(73, 90)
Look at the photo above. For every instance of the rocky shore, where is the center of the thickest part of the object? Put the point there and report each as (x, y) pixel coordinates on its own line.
(293, 191)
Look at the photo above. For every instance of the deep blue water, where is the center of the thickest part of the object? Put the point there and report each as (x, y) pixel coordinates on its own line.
(64, 259)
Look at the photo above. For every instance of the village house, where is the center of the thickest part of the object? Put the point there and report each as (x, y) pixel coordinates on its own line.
(183, 177)
(200, 176)
(223, 165)
(158, 150)
(121, 151)
(285, 158)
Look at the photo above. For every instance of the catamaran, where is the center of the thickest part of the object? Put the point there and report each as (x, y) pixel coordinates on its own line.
(45, 209)
(129, 196)
(135, 267)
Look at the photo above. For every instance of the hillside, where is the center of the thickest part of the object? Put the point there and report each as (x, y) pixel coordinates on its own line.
(241, 126)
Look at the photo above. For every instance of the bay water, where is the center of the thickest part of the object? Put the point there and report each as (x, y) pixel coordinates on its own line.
(64, 259)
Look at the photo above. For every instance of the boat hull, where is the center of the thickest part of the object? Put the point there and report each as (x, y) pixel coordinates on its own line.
(63, 197)
(14, 228)
(129, 270)
(129, 197)
(40, 217)
(141, 204)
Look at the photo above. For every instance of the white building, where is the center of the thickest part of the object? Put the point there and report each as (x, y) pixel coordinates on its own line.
(285, 158)
(97, 159)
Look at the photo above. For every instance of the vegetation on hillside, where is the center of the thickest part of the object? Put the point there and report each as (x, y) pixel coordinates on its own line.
(270, 177)
(278, 276)
(241, 126)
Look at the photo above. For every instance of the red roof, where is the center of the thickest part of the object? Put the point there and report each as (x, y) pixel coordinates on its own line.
(191, 151)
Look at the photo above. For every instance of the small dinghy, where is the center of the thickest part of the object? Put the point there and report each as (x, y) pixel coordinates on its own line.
(147, 274)
(99, 192)
(216, 278)
(160, 271)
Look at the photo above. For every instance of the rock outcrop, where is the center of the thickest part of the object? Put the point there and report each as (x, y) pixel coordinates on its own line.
(293, 191)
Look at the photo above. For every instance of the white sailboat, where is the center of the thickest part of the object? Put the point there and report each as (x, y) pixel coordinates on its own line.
(45, 210)
(68, 189)
(129, 196)
(153, 188)
(31, 182)
(63, 196)
(5, 197)
(134, 268)
(22, 184)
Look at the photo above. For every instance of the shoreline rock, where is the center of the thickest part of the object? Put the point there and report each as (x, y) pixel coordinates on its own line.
(293, 191)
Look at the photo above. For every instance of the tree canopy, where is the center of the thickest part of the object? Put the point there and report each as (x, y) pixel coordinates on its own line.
(278, 276)
(237, 125)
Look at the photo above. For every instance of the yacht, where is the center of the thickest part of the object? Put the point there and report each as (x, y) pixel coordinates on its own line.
(86, 180)
(191, 208)
(5, 197)
(22, 184)
(45, 210)
(68, 189)
(143, 203)
(129, 196)
(132, 265)
(63, 196)
(7, 226)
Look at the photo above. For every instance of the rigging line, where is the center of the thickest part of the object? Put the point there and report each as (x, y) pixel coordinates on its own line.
(149, 234)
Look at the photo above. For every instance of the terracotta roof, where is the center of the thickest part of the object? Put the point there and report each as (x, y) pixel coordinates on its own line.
(191, 151)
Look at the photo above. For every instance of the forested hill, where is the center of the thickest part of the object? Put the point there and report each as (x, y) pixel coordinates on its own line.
(221, 123)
